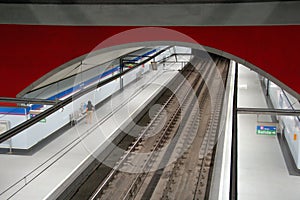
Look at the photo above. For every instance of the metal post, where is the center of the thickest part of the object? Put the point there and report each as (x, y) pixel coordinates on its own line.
(10, 146)
(233, 170)
(121, 71)
(175, 54)
(268, 84)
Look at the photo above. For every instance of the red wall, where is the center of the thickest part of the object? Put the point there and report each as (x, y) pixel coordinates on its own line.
(30, 51)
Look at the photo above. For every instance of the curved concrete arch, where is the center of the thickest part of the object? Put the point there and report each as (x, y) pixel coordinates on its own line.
(167, 43)
(31, 51)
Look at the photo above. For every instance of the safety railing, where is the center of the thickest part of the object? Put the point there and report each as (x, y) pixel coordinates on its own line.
(46, 164)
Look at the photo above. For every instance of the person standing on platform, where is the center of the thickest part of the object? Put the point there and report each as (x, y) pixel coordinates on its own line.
(89, 112)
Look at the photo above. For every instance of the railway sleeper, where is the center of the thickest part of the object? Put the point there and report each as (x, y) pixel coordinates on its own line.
(207, 163)
(208, 157)
(203, 147)
(184, 156)
(190, 139)
(168, 132)
(180, 161)
(166, 136)
(138, 147)
(178, 150)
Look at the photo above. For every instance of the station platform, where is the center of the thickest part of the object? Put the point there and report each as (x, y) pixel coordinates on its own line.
(262, 171)
(48, 171)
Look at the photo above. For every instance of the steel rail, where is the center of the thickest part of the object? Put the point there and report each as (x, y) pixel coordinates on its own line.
(268, 111)
(195, 115)
(192, 105)
(201, 104)
(185, 98)
(28, 100)
(101, 187)
(208, 148)
(210, 127)
(157, 146)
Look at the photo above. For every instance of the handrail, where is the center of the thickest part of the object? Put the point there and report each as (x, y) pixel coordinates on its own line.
(28, 100)
(68, 147)
(234, 140)
(17, 129)
(268, 111)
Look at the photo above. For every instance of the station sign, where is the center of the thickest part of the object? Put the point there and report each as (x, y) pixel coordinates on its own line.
(266, 130)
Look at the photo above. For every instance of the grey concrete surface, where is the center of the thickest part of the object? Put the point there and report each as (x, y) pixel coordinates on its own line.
(167, 14)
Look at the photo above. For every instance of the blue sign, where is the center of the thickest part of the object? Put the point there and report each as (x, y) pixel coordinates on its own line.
(266, 130)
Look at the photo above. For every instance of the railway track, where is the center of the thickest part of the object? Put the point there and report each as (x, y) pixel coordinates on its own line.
(149, 140)
(172, 160)
(84, 186)
(190, 174)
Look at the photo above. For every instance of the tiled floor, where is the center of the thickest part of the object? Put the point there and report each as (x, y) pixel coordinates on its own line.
(262, 173)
